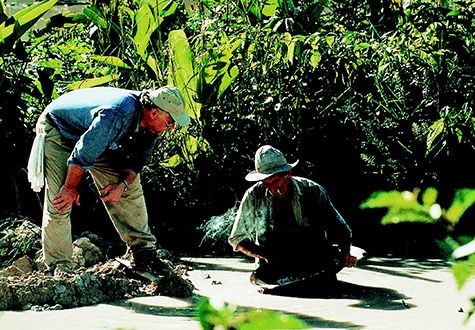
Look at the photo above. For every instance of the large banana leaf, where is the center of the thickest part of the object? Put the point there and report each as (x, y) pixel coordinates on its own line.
(16, 26)
(182, 71)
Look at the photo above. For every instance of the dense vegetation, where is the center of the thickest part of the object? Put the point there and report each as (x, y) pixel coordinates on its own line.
(371, 95)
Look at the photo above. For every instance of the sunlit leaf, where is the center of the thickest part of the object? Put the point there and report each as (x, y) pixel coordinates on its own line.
(146, 25)
(464, 250)
(173, 161)
(14, 27)
(363, 45)
(109, 60)
(269, 8)
(182, 72)
(395, 216)
(51, 63)
(315, 59)
(92, 82)
(434, 131)
(383, 199)
(463, 270)
(463, 199)
(429, 196)
(267, 320)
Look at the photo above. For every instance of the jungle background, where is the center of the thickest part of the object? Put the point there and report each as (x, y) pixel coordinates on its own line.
(374, 95)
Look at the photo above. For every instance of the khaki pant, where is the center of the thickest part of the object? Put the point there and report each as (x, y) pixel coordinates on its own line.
(129, 215)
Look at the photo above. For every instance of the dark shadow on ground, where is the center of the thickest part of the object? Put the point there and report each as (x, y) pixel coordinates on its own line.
(409, 268)
(190, 312)
(369, 297)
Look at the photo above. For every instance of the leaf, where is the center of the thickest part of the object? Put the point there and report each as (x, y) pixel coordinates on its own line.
(173, 161)
(262, 320)
(86, 83)
(429, 197)
(270, 7)
(363, 45)
(330, 40)
(395, 216)
(434, 131)
(464, 250)
(95, 16)
(383, 199)
(290, 51)
(182, 72)
(463, 270)
(146, 25)
(14, 27)
(315, 59)
(463, 199)
(109, 60)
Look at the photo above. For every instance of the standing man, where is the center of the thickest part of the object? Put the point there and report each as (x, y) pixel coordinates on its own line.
(289, 225)
(109, 132)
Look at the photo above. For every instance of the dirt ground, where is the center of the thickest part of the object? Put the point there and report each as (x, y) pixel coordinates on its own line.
(380, 293)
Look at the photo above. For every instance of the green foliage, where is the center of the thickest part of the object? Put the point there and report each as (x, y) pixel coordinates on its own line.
(463, 270)
(13, 28)
(406, 207)
(214, 314)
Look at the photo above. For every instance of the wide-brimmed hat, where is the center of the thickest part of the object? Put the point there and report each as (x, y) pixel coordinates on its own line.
(269, 161)
(170, 99)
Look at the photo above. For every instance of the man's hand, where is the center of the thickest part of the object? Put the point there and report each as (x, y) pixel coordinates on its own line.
(252, 250)
(112, 192)
(349, 261)
(65, 198)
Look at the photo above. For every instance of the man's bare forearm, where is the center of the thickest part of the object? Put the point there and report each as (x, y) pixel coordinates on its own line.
(74, 176)
(251, 250)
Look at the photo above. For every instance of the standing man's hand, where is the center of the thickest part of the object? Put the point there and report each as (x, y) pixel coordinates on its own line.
(68, 194)
(65, 198)
(112, 192)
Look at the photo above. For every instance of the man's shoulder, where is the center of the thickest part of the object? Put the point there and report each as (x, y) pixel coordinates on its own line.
(305, 181)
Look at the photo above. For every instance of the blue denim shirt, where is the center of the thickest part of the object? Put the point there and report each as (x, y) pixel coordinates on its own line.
(102, 121)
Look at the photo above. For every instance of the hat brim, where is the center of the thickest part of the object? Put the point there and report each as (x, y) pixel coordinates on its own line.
(258, 176)
(182, 120)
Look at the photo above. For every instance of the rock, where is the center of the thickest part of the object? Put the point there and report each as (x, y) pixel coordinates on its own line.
(94, 280)
(86, 253)
(20, 266)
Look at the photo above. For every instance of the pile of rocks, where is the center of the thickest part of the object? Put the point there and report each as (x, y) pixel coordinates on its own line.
(25, 285)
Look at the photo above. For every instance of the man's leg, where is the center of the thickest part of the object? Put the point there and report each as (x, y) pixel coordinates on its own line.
(129, 214)
(56, 227)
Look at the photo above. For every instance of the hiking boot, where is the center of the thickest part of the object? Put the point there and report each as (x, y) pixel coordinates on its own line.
(141, 258)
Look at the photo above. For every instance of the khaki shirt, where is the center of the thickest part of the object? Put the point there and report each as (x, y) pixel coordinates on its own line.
(311, 206)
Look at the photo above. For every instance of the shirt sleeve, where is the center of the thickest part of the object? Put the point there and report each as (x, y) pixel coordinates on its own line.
(104, 129)
(338, 230)
(242, 228)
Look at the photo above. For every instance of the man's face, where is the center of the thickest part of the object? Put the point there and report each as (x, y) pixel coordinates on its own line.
(157, 121)
(277, 184)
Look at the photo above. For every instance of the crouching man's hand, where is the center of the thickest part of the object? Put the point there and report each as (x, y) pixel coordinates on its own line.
(349, 261)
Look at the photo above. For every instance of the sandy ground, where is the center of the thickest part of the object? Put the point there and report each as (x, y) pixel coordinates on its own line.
(381, 293)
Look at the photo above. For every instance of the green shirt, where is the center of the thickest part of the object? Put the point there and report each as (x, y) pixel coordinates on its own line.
(311, 207)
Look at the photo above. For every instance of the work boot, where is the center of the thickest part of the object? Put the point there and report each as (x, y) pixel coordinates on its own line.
(142, 258)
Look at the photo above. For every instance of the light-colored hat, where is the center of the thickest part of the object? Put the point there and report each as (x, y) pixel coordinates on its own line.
(269, 161)
(170, 99)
